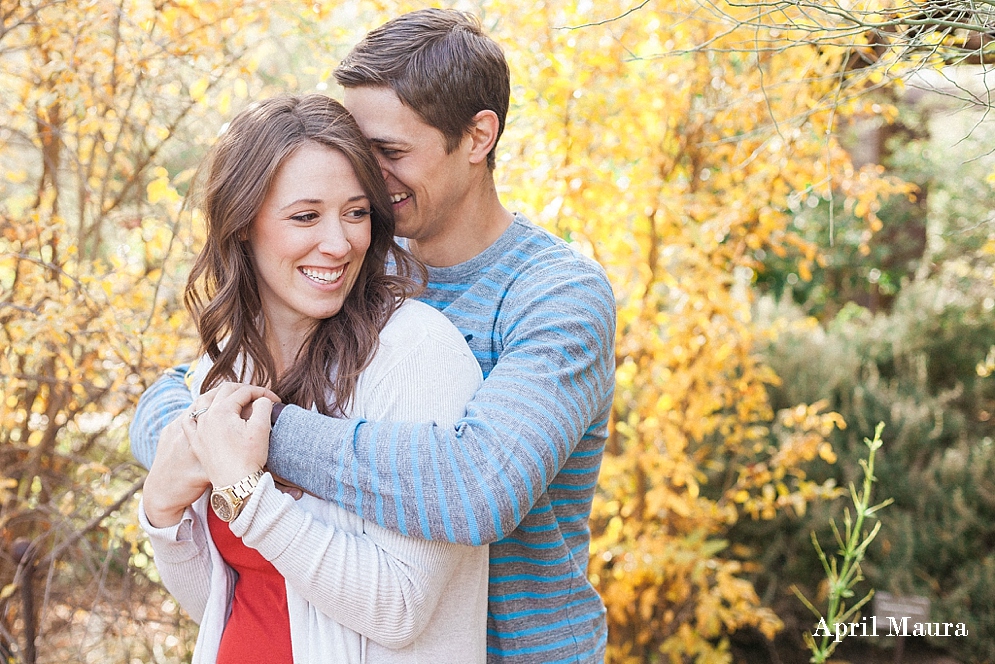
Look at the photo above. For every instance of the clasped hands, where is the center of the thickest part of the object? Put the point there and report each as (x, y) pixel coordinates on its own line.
(228, 440)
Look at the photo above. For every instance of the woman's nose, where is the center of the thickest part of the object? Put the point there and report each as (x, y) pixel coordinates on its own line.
(333, 240)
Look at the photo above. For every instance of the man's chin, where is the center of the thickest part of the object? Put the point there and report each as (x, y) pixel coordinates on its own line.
(401, 229)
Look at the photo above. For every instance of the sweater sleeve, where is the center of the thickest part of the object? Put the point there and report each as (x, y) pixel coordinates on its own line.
(158, 406)
(182, 559)
(473, 482)
(378, 583)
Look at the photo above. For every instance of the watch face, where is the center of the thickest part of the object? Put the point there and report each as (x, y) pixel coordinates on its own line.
(221, 507)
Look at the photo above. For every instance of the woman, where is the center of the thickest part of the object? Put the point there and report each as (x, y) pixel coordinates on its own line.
(290, 293)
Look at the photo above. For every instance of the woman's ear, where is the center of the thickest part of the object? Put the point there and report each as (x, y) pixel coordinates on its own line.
(483, 135)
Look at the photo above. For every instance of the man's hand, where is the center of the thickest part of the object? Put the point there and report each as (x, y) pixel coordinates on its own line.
(230, 434)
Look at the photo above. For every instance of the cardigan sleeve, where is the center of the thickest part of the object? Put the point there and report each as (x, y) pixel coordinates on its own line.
(182, 559)
(379, 583)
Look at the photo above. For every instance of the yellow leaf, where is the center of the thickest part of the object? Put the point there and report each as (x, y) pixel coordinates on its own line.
(804, 271)
(224, 103)
(199, 89)
(93, 467)
(159, 190)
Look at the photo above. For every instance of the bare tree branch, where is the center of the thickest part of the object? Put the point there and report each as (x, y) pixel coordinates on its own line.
(607, 20)
(94, 522)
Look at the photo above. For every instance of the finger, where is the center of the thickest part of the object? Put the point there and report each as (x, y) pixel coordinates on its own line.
(204, 400)
(294, 492)
(262, 408)
(207, 399)
(217, 392)
(237, 399)
(270, 394)
(225, 390)
(287, 486)
(243, 392)
(189, 427)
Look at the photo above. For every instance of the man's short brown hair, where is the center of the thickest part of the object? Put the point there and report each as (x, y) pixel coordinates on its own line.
(440, 63)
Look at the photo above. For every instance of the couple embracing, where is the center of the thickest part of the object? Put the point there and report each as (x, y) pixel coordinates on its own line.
(389, 450)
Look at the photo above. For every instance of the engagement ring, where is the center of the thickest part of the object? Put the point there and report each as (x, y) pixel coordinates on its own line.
(197, 413)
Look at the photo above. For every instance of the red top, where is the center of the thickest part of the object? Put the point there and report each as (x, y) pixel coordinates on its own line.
(258, 629)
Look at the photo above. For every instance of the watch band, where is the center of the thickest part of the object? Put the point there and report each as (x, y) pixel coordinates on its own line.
(228, 501)
(243, 488)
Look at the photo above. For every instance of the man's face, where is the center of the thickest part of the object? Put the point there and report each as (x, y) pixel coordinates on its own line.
(428, 187)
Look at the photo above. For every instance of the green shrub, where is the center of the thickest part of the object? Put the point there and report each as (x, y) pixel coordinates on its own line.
(915, 368)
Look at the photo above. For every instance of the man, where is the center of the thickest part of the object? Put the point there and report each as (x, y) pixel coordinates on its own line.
(431, 92)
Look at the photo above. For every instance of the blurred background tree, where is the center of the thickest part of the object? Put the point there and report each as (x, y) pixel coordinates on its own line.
(107, 108)
(912, 345)
(698, 150)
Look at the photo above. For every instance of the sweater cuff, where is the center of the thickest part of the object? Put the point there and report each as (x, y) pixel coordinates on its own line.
(177, 543)
(269, 520)
(294, 452)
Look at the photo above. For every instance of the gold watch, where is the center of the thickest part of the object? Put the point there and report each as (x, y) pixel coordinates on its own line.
(228, 501)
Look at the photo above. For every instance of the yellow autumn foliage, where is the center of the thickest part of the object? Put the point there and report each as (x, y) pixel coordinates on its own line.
(98, 114)
(671, 164)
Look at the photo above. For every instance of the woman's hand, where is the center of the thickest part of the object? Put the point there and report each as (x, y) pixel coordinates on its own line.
(176, 478)
(230, 434)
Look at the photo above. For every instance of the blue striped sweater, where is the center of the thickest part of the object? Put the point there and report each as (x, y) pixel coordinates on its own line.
(518, 471)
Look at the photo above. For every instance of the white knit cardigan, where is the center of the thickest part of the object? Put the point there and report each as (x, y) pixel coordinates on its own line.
(356, 592)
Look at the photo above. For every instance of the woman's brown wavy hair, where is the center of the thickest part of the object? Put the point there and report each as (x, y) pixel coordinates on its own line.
(222, 293)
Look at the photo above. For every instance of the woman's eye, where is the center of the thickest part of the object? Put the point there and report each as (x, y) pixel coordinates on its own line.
(358, 214)
(305, 217)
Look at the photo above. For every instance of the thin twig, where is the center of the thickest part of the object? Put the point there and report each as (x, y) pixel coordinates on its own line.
(607, 20)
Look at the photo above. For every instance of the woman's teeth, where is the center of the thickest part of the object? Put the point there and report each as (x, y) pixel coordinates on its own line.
(323, 276)
(397, 198)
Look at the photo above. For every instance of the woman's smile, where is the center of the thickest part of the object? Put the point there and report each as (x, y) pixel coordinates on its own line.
(323, 276)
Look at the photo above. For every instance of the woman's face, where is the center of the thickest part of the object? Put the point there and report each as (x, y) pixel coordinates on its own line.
(309, 238)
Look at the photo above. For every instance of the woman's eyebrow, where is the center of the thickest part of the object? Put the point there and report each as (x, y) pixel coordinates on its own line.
(308, 201)
(319, 201)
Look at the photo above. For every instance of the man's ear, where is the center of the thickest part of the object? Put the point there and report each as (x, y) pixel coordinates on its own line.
(483, 135)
